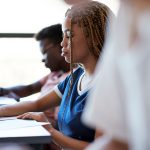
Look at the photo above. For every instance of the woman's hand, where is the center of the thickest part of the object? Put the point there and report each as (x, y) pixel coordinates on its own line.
(38, 116)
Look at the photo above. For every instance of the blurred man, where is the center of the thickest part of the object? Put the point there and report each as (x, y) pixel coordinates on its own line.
(49, 39)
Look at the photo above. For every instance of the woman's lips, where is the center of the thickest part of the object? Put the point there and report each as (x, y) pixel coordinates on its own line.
(64, 53)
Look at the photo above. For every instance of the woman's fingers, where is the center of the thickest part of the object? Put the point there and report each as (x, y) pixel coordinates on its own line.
(25, 116)
(38, 116)
(20, 116)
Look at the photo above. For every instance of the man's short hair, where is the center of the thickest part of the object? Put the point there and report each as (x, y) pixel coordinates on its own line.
(53, 33)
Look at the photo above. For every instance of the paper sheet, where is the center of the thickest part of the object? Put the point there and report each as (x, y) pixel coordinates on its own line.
(19, 123)
(7, 118)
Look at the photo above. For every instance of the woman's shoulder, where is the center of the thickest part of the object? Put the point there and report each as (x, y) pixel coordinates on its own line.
(78, 70)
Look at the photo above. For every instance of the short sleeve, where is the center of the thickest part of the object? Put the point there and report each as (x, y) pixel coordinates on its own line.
(60, 88)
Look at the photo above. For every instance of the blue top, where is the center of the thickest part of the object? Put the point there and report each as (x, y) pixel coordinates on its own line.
(71, 108)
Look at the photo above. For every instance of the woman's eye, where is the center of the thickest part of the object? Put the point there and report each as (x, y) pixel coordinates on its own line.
(68, 34)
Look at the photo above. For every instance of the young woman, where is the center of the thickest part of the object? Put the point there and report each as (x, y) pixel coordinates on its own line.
(84, 33)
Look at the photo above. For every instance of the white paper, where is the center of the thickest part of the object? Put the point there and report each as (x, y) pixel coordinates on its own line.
(7, 118)
(19, 123)
(6, 101)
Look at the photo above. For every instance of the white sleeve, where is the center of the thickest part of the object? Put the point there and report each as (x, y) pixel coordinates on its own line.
(104, 109)
(57, 91)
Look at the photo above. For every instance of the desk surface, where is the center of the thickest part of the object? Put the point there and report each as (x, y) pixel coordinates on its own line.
(28, 135)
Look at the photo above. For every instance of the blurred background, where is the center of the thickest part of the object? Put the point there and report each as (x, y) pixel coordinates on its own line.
(20, 58)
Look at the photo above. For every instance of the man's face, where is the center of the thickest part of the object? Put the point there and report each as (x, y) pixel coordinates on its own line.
(51, 54)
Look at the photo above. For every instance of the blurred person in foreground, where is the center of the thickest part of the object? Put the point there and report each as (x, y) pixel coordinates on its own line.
(119, 105)
(84, 36)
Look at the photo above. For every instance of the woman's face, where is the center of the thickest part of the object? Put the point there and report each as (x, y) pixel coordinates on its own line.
(79, 44)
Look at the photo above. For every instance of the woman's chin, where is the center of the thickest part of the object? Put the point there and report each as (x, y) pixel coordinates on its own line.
(67, 60)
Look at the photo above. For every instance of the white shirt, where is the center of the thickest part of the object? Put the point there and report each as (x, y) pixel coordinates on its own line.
(119, 103)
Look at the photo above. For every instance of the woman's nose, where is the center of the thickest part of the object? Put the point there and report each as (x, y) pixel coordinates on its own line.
(64, 43)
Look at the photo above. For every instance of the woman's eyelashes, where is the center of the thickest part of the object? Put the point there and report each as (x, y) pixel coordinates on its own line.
(68, 34)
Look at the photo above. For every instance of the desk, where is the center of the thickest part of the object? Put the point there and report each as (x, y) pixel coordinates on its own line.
(27, 135)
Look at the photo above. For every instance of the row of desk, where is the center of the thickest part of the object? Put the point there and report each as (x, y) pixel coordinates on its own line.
(26, 135)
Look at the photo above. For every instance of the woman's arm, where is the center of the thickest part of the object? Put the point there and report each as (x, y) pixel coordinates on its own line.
(43, 103)
(65, 141)
(106, 143)
(57, 137)
(115, 145)
(98, 134)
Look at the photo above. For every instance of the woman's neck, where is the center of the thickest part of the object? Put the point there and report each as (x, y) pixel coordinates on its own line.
(89, 66)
